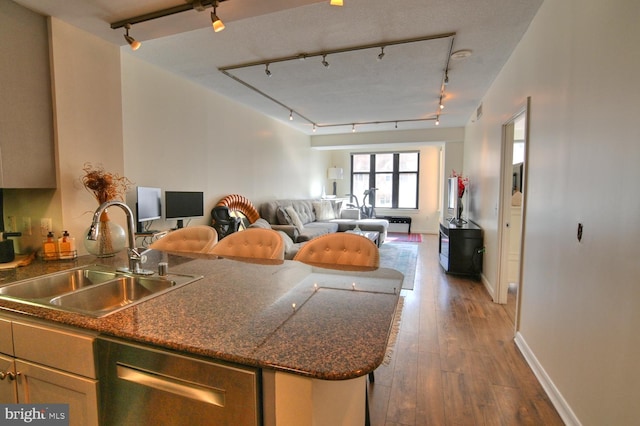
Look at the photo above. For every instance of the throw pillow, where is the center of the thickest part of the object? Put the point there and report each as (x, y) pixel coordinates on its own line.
(295, 219)
(324, 210)
(283, 217)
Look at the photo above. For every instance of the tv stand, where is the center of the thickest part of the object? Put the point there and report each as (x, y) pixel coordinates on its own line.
(461, 248)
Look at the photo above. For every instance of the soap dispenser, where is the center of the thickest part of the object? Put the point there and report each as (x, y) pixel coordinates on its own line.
(49, 247)
(67, 246)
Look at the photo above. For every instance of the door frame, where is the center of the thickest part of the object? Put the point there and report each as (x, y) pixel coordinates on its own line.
(506, 174)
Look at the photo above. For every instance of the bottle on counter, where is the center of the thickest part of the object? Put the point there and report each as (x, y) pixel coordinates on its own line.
(66, 246)
(49, 247)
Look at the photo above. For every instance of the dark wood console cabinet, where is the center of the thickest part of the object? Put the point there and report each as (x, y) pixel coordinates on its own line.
(461, 248)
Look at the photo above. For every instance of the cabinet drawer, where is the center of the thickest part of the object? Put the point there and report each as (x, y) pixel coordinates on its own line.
(66, 350)
(6, 337)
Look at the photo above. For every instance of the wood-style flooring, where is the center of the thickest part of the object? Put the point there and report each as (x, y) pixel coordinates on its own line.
(455, 361)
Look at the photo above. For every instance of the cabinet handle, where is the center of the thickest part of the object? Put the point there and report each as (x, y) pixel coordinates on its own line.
(10, 375)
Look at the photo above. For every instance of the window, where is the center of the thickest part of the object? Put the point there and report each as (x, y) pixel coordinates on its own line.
(395, 175)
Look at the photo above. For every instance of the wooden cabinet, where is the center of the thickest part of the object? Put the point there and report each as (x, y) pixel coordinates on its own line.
(50, 365)
(461, 248)
(27, 158)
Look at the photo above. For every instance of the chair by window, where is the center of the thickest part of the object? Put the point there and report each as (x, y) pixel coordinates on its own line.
(340, 248)
(256, 243)
(192, 239)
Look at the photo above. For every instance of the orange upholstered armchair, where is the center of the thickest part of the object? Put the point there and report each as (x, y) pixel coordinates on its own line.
(192, 239)
(340, 248)
(256, 243)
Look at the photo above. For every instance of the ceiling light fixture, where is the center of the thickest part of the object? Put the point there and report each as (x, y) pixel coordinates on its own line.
(216, 22)
(266, 70)
(198, 5)
(314, 128)
(336, 2)
(290, 115)
(302, 56)
(135, 44)
(353, 128)
(381, 55)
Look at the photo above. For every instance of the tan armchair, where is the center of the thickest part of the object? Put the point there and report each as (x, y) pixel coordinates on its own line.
(255, 243)
(340, 248)
(192, 239)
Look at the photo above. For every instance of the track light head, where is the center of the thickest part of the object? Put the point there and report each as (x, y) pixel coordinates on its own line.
(216, 22)
(381, 55)
(446, 77)
(324, 61)
(290, 115)
(135, 44)
(437, 120)
(266, 70)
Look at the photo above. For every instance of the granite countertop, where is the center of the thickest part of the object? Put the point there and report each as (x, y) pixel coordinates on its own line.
(243, 312)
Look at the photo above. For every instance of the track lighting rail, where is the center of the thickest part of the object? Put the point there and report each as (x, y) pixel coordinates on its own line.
(198, 5)
(436, 118)
(341, 50)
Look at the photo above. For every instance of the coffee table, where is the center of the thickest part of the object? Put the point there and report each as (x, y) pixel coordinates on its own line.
(372, 235)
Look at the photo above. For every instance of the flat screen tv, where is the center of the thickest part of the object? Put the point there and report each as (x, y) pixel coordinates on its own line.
(183, 205)
(148, 205)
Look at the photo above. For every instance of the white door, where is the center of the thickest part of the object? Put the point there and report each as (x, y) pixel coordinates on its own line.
(512, 209)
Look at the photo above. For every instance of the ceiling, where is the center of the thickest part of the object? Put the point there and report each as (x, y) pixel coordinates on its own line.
(402, 90)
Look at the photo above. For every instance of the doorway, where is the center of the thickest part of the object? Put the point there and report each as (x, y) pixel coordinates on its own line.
(512, 211)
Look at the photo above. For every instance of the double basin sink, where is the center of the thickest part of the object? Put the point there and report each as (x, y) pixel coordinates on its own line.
(92, 290)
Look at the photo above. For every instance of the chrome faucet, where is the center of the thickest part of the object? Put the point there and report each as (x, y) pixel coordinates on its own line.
(135, 257)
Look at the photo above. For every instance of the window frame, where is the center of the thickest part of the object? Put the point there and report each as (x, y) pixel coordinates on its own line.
(395, 176)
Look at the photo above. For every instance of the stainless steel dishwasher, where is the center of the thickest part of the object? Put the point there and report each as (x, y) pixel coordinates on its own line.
(141, 385)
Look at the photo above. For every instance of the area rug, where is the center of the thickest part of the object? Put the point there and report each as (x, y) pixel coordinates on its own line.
(399, 237)
(401, 257)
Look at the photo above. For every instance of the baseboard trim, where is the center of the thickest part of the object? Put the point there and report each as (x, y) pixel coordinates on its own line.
(558, 401)
(490, 289)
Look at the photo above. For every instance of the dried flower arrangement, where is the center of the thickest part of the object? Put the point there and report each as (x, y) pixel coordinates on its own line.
(463, 182)
(105, 186)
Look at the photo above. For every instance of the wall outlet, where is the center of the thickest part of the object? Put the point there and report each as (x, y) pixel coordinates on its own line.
(11, 225)
(26, 226)
(45, 226)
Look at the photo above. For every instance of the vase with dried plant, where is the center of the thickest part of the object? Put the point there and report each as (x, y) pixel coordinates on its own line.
(105, 186)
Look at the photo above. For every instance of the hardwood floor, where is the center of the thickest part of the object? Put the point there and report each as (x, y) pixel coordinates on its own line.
(455, 361)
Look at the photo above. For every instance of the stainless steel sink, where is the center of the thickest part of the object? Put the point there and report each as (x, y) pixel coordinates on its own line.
(93, 290)
(118, 293)
(57, 283)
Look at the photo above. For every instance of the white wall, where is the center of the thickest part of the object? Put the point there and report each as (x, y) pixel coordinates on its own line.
(580, 311)
(181, 136)
(88, 120)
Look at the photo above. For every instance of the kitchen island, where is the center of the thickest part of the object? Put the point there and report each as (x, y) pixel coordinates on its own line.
(314, 334)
